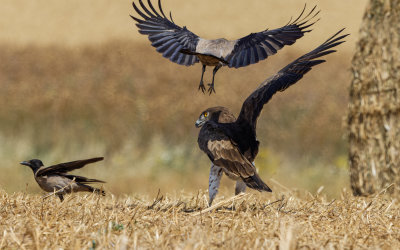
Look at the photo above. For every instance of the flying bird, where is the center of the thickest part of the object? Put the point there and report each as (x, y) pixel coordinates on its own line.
(183, 47)
(55, 178)
(230, 143)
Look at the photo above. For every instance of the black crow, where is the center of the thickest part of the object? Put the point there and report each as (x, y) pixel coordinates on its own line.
(182, 46)
(55, 178)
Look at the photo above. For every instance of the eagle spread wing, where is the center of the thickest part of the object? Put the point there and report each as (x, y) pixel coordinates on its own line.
(225, 154)
(167, 37)
(258, 46)
(286, 77)
(67, 166)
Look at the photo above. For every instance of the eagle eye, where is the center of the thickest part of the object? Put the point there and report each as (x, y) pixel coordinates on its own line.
(205, 114)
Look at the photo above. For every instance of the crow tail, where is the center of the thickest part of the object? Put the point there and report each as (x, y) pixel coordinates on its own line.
(96, 190)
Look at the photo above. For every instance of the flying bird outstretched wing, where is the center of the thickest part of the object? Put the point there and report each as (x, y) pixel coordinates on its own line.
(167, 37)
(225, 154)
(67, 166)
(181, 45)
(258, 46)
(286, 77)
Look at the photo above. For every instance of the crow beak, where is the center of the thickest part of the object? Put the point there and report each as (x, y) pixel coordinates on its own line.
(199, 123)
(25, 163)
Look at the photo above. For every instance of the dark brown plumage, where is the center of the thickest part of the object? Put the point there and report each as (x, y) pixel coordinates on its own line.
(183, 47)
(55, 178)
(231, 143)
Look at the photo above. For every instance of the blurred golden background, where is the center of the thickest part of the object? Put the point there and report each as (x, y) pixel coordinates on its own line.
(77, 81)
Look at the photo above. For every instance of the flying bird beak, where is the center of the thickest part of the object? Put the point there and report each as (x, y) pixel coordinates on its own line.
(25, 163)
(199, 123)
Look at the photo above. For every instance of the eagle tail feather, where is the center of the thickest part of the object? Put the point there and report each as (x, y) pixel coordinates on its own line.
(256, 183)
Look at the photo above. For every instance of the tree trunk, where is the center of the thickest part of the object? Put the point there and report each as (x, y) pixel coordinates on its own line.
(374, 109)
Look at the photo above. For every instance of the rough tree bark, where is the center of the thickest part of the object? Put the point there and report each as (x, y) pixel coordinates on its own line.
(374, 110)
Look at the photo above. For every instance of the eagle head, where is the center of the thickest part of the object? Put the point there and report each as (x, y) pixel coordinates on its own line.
(216, 114)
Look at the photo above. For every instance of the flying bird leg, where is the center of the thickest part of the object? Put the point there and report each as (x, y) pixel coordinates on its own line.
(201, 85)
(211, 88)
(213, 182)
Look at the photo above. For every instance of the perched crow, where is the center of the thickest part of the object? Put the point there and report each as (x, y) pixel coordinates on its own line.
(184, 47)
(231, 143)
(55, 178)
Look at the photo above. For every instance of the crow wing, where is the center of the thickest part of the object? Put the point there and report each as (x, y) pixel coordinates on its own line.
(286, 77)
(167, 37)
(258, 46)
(81, 179)
(67, 166)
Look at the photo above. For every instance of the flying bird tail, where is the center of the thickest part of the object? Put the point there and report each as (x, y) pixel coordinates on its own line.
(256, 183)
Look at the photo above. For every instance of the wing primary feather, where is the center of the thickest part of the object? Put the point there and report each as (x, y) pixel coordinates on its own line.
(163, 33)
(136, 19)
(161, 10)
(152, 8)
(305, 17)
(288, 23)
(305, 27)
(299, 21)
(139, 12)
(147, 25)
(146, 10)
(286, 77)
(302, 12)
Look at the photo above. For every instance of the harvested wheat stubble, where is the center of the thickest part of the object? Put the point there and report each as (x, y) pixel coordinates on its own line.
(286, 219)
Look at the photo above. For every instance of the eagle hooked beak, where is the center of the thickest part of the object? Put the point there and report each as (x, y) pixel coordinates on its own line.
(25, 163)
(199, 123)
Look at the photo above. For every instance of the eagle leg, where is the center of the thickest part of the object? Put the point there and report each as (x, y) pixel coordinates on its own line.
(240, 187)
(211, 88)
(61, 197)
(213, 182)
(201, 85)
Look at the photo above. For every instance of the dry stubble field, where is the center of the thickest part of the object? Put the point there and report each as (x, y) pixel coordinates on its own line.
(73, 87)
(286, 220)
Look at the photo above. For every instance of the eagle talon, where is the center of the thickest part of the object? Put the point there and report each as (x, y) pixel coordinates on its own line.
(211, 88)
